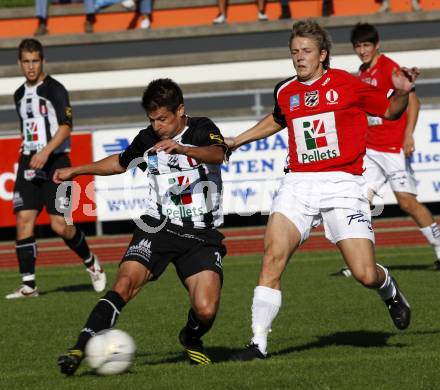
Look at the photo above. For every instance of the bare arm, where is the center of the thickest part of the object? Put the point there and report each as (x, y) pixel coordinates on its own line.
(212, 154)
(413, 113)
(403, 82)
(264, 128)
(105, 167)
(40, 158)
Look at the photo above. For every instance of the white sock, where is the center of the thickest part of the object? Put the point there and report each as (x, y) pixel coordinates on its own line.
(265, 307)
(388, 288)
(432, 234)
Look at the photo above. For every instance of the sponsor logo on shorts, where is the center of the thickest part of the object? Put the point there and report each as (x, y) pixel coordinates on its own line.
(142, 249)
(17, 200)
(218, 260)
(359, 217)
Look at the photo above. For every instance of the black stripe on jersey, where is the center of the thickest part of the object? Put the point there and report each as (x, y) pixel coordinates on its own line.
(42, 103)
(208, 218)
(29, 108)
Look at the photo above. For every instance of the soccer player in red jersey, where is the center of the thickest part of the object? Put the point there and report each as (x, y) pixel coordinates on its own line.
(391, 143)
(324, 111)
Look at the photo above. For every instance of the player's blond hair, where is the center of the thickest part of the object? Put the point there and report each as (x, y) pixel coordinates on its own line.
(311, 29)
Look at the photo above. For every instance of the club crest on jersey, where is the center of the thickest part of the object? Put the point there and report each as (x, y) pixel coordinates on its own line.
(332, 96)
(293, 102)
(311, 99)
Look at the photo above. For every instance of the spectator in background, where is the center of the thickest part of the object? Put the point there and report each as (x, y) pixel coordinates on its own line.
(327, 8)
(385, 7)
(285, 10)
(41, 12)
(92, 7)
(142, 7)
(222, 5)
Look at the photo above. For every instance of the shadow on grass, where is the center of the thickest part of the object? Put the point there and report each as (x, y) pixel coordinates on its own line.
(361, 338)
(71, 288)
(411, 267)
(399, 267)
(217, 354)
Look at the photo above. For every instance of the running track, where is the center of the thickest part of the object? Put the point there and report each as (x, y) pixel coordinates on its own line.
(239, 241)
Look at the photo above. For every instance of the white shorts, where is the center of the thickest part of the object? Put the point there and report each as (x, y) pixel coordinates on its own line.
(381, 168)
(336, 198)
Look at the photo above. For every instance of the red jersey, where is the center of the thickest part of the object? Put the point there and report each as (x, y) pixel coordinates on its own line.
(384, 135)
(326, 121)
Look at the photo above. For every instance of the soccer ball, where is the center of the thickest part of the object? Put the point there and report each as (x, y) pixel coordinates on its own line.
(110, 351)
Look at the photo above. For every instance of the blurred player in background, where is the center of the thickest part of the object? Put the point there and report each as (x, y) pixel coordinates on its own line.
(45, 114)
(324, 111)
(182, 158)
(391, 143)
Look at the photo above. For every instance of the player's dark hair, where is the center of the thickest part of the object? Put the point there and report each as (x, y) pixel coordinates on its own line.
(162, 93)
(30, 45)
(311, 29)
(364, 32)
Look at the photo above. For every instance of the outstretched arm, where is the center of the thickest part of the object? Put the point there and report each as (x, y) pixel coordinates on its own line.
(403, 81)
(212, 154)
(105, 167)
(264, 128)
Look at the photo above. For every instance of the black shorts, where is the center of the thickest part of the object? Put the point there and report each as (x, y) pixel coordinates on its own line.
(38, 193)
(190, 250)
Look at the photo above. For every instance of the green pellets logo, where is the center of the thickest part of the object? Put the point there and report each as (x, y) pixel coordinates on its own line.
(184, 197)
(314, 134)
(31, 131)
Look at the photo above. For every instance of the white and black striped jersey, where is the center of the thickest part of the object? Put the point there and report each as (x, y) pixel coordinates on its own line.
(186, 192)
(42, 108)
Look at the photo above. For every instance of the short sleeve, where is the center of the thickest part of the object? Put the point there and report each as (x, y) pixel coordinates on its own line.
(371, 100)
(207, 133)
(62, 105)
(277, 114)
(141, 143)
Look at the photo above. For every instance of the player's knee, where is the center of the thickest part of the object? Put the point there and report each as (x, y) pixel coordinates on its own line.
(58, 228)
(408, 204)
(205, 310)
(124, 286)
(368, 277)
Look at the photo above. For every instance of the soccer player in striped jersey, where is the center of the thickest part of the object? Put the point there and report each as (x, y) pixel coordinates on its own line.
(181, 156)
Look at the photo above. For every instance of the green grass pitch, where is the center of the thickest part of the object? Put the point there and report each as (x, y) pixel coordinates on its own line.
(331, 333)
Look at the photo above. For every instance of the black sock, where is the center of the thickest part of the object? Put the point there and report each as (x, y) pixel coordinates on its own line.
(27, 254)
(195, 328)
(42, 21)
(79, 245)
(103, 316)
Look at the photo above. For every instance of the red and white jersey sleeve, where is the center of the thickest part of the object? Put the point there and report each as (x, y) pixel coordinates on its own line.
(384, 135)
(327, 122)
